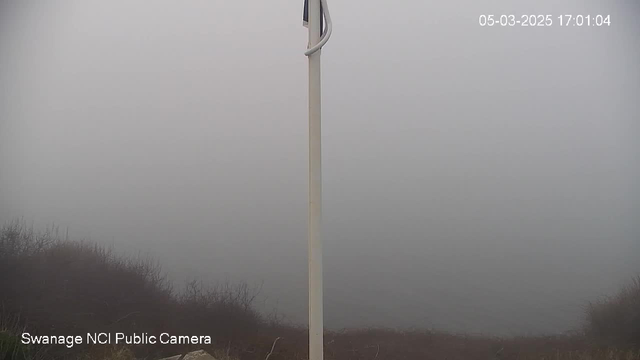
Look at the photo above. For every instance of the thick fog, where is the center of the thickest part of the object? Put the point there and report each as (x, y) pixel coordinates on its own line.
(477, 179)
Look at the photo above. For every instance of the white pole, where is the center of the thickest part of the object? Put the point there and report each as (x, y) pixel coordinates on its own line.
(315, 190)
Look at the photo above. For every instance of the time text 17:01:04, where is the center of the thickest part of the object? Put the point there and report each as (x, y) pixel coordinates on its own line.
(545, 20)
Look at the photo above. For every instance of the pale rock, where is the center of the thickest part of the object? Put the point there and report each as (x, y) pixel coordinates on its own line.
(198, 355)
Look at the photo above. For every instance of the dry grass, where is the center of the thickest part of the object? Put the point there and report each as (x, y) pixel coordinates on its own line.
(108, 353)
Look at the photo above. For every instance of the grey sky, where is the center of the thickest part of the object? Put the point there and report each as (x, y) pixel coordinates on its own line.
(476, 179)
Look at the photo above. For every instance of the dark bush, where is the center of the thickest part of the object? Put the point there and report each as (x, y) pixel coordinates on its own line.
(616, 319)
(62, 287)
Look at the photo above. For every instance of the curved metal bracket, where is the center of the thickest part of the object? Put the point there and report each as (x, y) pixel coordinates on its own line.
(327, 31)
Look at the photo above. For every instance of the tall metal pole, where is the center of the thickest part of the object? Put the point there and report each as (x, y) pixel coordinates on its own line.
(316, 325)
